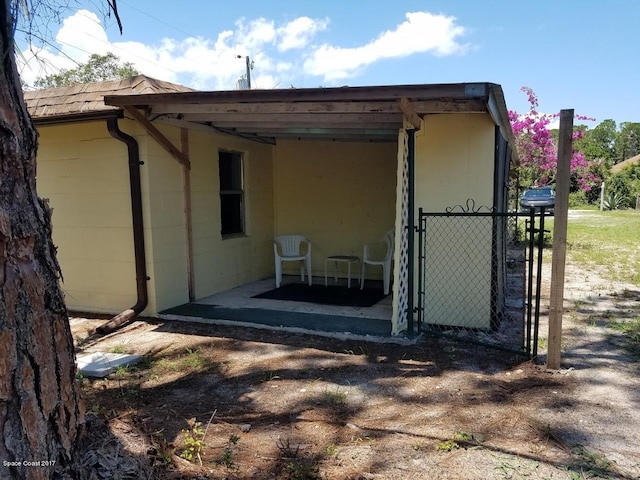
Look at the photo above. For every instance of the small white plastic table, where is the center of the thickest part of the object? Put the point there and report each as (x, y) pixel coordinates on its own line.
(348, 259)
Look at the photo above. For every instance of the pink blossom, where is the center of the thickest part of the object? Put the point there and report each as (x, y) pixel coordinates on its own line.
(537, 149)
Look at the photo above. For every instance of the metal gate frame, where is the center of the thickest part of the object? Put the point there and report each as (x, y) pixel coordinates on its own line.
(533, 244)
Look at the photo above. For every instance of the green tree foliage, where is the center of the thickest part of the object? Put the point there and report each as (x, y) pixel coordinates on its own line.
(625, 185)
(99, 68)
(627, 142)
(604, 146)
(598, 144)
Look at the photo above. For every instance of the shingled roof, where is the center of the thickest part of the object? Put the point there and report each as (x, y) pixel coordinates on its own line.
(85, 101)
(618, 167)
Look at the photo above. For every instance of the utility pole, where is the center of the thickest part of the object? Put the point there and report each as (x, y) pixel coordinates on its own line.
(249, 67)
(248, 72)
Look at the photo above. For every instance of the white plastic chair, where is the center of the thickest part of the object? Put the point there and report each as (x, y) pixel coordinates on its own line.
(288, 248)
(369, 258)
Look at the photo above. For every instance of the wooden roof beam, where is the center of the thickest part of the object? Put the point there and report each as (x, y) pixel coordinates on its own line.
(458, 91)
(265, 125)
(274, 130)
(296, 119)
(330, 135)
(410, 114)
(422, 107)
(181, 157)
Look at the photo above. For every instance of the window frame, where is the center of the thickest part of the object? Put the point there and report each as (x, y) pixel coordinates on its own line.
(234, 179)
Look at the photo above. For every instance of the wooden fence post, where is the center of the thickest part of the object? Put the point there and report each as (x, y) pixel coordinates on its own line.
(556, 300)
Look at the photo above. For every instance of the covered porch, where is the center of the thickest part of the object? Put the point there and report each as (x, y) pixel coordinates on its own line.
(240, 307)
(335, 165)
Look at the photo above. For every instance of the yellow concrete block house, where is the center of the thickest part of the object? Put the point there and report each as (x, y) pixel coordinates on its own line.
(163, 196)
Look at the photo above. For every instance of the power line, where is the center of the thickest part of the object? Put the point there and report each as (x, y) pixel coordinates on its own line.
(156, 18)
(110, 46)
(105, 24)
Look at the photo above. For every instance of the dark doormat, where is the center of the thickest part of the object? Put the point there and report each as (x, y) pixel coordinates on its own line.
(331, 295)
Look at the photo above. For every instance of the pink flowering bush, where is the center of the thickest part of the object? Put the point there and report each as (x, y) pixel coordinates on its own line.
(537, 148)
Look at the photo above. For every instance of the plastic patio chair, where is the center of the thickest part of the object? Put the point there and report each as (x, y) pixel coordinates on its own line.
(288, 248)
(369, 258)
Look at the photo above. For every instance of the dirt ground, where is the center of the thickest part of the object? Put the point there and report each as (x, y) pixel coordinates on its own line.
(253, 404)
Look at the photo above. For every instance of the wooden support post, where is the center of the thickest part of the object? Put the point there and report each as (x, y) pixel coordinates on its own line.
(186, 191)
(410, 113)
(556, 301)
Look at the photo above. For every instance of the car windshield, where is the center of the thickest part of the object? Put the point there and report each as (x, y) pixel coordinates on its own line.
(541, 192)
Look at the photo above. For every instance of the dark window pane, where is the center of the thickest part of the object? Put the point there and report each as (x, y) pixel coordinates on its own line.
(230, 169)
(231, 213)
(231, 193)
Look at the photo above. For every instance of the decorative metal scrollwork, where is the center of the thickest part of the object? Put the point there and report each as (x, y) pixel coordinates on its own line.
(470, 208)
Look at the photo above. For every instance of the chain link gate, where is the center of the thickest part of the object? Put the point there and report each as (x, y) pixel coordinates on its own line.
(479, 276)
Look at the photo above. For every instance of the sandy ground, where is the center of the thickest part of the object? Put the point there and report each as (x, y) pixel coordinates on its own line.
(292, 406)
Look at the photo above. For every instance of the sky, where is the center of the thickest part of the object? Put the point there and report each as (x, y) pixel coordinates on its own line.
(580, 55)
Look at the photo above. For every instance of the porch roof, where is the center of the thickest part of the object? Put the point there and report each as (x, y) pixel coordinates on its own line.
(371, 113)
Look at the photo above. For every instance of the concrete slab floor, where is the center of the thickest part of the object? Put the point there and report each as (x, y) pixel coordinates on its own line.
(241, 297)
(237, 307)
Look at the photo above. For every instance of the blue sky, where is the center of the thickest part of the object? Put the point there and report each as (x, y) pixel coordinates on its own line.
(573, 54)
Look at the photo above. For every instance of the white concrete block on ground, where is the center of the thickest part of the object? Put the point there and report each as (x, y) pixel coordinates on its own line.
(101, 364)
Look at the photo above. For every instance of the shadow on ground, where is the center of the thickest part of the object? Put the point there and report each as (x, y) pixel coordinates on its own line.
(252, 403)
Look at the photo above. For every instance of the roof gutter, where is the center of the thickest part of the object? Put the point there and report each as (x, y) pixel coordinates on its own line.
(138, 231)
(43, 120)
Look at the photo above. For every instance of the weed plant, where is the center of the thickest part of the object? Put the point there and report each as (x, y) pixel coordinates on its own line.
(193, 442)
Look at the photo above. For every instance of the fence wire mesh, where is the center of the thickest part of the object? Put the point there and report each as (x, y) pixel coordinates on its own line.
(475, 279)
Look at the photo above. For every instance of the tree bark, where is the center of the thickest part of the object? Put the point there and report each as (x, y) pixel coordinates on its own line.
(40, 412)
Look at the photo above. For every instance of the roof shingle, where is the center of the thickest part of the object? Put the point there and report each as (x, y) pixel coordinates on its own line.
(89, 97)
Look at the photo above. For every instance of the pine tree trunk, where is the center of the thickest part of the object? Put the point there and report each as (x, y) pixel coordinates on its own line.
(40, 412)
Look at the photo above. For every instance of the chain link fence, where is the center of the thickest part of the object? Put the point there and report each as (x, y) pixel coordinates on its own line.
(475, 275)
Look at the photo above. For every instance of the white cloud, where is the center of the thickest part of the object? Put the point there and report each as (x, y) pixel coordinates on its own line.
(194, 61)
(554, 125)
(421, 32)
(283, 53)
(255, 34)
(299, 32)
(81, 35)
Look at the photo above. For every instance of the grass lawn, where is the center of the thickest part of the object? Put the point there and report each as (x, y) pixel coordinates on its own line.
(608, 242)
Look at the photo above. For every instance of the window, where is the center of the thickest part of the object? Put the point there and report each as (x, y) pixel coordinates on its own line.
(231, 193)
